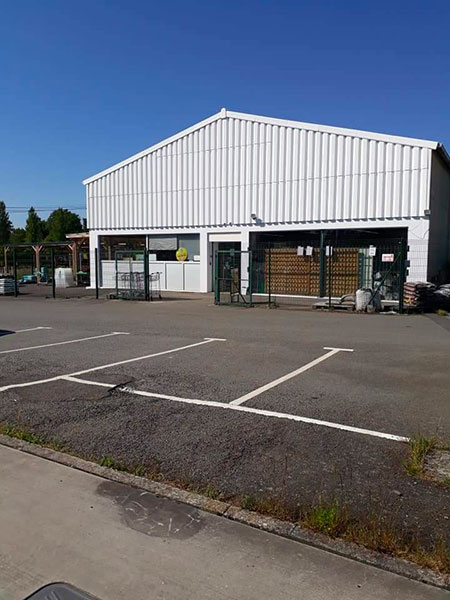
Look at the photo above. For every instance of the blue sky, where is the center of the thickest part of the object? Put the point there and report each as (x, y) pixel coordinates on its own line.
(85, 84)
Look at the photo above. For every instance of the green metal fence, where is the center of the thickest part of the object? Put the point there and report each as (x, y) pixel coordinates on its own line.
(289, 272)
(321, 268)
(233, 272)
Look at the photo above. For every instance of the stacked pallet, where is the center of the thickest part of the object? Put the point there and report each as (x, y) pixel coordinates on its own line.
(418, 295)
(344, 271)
(288, 273)
(292, 274)
(6, 286)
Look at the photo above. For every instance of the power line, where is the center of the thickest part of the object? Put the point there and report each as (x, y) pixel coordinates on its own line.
(22, 209)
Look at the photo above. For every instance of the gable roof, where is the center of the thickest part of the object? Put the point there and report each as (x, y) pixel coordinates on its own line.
(223, 114)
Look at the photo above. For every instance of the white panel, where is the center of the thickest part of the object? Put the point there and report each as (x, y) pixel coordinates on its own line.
(174, 276)
(191, 277)
(225, 237)
(158, 267)
(108, 273)
(233, 167)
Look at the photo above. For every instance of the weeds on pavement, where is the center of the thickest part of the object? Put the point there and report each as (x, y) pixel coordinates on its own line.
(419, 447)
(331, 518)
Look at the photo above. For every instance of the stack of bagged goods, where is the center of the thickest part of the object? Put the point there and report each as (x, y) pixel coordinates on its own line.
(6, 286)
(441, 297)
(419, 294)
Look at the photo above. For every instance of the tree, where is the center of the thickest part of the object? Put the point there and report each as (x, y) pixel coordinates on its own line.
(5, 224)
(34, 229)
(17, 236)
(60, 222)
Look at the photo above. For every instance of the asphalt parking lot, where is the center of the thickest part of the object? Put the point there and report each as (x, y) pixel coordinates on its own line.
(310, 405)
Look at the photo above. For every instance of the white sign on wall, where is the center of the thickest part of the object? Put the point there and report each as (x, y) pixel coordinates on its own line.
(372, 250)
(309, 250)
(300, 250)
(387, 258)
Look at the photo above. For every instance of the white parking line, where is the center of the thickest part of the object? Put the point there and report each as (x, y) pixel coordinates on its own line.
(272, 384)
(31, 329)
(246, 409)
(94, 337)
(127, 389)
(115, 364)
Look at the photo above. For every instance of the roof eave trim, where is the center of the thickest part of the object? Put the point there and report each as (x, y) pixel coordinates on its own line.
(220, 115)
(444, 154)
(382, 137)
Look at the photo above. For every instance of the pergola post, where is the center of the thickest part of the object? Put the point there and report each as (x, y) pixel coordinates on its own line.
(37, 251)
(74, 249)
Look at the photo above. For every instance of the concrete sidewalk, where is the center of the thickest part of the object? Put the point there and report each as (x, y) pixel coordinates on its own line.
(59, 524)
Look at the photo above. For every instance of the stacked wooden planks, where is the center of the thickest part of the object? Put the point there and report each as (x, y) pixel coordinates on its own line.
(293, 274)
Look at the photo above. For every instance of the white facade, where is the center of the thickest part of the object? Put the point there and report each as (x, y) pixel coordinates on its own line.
(242, 173)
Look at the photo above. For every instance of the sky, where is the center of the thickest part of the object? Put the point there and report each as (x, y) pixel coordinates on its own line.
(86, 84)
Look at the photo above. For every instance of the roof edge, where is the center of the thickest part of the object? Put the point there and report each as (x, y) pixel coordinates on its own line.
(220, 115)
(382, 137)
(223, 113)
(444, 154)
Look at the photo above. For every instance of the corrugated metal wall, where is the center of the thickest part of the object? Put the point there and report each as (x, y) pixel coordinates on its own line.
(231, 168)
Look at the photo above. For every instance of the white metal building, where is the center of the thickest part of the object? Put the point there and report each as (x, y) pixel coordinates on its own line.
(235, 175)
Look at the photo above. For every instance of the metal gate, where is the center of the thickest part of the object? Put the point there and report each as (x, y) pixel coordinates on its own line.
(233, 277)
(133, 280)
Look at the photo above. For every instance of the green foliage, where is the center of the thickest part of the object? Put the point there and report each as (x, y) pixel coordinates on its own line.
(107, 461)
(111, 463)
(60, 222)
(17, 236)
(25, 435)
(272, 505)
(211, 492)
(249, 502)
(35, 227)
(419, 447)
(329, 519)
(5, 224)
(21, 434)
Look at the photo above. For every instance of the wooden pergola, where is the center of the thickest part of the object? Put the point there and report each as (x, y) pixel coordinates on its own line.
(74, 242)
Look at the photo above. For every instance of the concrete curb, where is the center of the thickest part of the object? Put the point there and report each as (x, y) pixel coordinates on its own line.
(283, 528)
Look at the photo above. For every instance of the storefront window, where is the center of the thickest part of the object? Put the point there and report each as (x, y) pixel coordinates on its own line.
(165, 247)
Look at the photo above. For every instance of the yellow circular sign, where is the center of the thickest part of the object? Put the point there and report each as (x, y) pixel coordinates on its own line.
(182, 254)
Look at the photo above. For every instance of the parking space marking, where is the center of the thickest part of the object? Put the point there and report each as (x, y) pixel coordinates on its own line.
(125, 388)
(107, 366)
(245, 409)
(268, 386)
(94, 337)
(31, 329)
(130, 360)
